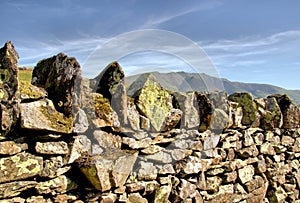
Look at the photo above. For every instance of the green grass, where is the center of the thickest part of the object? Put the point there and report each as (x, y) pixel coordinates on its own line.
(25, 75)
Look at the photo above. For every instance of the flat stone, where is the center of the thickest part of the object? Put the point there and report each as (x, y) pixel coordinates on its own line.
(159, 157)
(140, 144)
(152, 100)
(188, 104)
(60, 147)
(12, 189)
(136, 198)
(107, 140)
(41, 115)
(59, 185)
(11, 148)
(20, 166)
(152, 149)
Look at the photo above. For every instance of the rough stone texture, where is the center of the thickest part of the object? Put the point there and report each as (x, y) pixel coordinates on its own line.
(8, 71)
(205, 111)
(52, 147)
(245, 100)
(171, 120)
(41, 115)
(55, 186)
(109, 170)
(9, 112)
(133, 116)
(153, 101)
(111, 85)
(104, 114)
(20, 166)
(57, 75)
(289, 110)
(190, 114)
(29, 92)
(11, 148)
(12, 189)
(272, 116)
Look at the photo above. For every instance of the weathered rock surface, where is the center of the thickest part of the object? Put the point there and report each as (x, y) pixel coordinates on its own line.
(107, 171)
(245, 100)
(289, 110)
(42, 115)
(20, 166)
(111, 85)
(8, 71)
(238, 150)
(57, 75)
(153, 101)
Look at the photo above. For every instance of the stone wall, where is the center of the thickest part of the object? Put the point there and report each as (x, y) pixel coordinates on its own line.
(92, 143)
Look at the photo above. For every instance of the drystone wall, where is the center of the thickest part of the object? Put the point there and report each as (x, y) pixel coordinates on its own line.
(65, 138)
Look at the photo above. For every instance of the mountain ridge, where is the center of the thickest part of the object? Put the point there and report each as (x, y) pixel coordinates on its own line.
(185, 82)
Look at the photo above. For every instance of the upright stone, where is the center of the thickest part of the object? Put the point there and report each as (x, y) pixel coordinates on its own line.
(152, 100)
(57, 75)
(248, 105)
(9, 111)
(188, 104)
(111, 84)
(205, 111)
(8, 71)
(290, 111)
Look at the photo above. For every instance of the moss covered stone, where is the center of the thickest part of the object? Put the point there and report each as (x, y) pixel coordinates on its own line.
(41, 115)
(154, 102)
(245, 100)
(29, 91)
(20, 166)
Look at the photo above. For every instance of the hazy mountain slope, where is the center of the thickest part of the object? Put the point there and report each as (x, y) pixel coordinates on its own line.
(184, 82)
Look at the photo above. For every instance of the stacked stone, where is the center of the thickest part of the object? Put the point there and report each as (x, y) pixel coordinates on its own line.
(96, 144)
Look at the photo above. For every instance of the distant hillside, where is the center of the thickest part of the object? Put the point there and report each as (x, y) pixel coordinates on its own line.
(184, 82)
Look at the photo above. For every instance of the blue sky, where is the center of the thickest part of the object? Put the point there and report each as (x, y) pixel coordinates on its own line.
(247, 41)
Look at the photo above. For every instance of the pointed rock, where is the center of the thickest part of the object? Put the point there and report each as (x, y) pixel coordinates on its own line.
(8, 71)
(290, 111)
(152, 100)
(111, 85)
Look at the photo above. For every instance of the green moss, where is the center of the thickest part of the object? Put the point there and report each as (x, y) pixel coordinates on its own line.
(102, 106)
(26, 88)
(58, 120)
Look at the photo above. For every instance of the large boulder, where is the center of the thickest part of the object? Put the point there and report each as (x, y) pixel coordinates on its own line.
(111, 85)
(57, 75)
(245, 100)
(152, 100)
(290, 111)
(8, 71)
